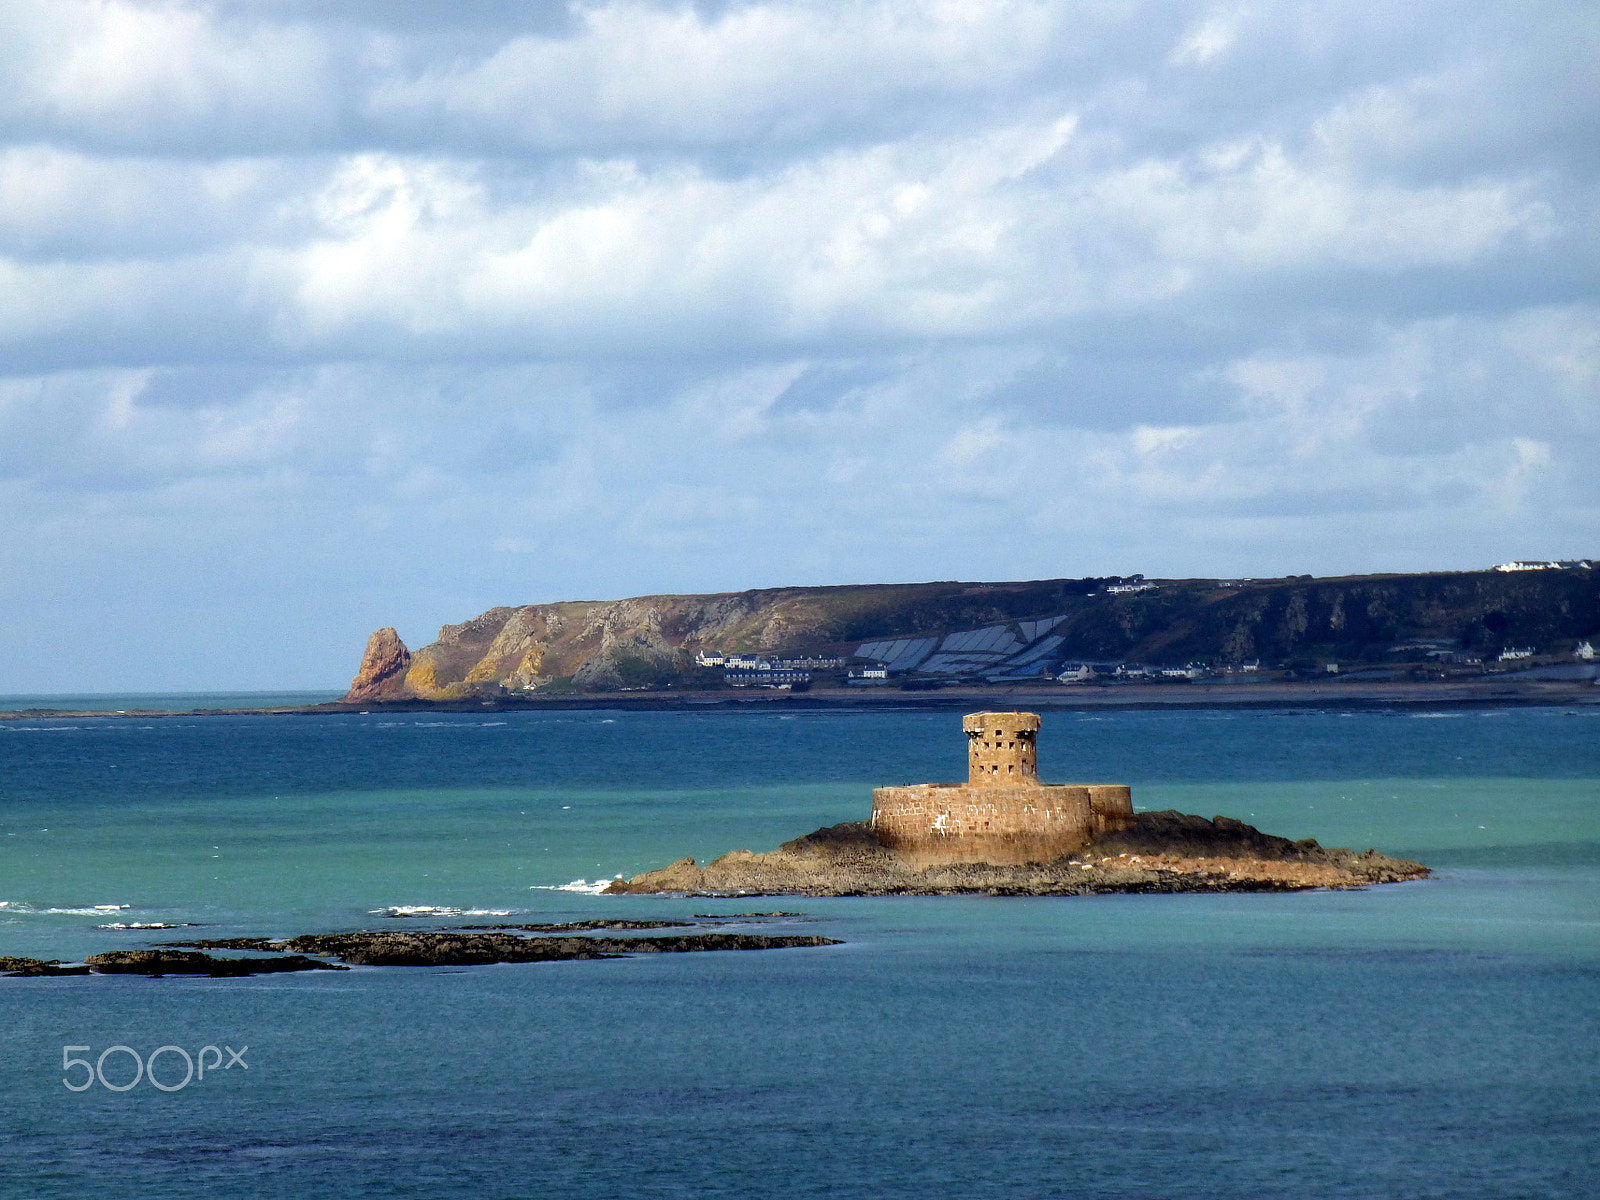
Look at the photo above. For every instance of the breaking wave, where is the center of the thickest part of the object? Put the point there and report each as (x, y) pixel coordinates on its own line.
(444, 910)
(577, 885)
(93, 910)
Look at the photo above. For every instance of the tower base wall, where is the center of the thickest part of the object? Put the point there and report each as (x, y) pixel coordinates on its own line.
(1004, 824)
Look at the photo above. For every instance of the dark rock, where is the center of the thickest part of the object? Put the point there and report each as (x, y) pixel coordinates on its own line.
(38, 966)
(597, 925)
(414, 949)
(1173, 832)
(184, 962)
(745, 916)
(471, 946)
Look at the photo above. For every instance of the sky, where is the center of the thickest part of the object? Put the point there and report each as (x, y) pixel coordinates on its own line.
(321, 317)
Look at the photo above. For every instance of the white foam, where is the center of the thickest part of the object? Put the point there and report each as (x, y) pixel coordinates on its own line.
(96, 910)
(432, 910)
(146, 925)
(577, 885)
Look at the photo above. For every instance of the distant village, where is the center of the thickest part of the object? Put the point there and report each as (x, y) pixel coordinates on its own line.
(1030, 652)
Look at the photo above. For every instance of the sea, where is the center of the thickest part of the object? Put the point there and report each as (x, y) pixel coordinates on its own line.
(1435, 1039)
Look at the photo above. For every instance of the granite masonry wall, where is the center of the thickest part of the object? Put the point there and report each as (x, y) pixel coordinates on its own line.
(1002, 814)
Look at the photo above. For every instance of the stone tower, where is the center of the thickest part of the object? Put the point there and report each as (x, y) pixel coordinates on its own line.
(1002, 814)
(1001, 747)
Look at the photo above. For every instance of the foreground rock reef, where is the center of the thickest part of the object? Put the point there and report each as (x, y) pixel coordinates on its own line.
(1161, 852)
(406, 948)
(403, 948)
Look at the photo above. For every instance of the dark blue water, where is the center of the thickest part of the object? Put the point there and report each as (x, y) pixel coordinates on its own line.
(1424, 1040)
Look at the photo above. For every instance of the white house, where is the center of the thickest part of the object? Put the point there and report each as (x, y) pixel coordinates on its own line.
(1544, 564)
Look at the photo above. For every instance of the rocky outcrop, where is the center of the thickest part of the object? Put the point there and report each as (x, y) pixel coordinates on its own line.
(456, 948)
(468, 949)
(38, 967)
(188, 962)
(1161, 852)
(383, 670)
(405, 948)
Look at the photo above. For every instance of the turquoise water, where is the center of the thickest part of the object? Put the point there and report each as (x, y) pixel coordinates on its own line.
(1429, 1039)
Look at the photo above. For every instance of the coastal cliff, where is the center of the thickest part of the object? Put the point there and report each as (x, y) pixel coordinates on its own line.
(651, 641)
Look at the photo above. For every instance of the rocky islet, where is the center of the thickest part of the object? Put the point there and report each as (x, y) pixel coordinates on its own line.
(1161, 852)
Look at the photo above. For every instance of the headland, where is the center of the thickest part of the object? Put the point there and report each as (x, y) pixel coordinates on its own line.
(1452, 629)
(1522, 633)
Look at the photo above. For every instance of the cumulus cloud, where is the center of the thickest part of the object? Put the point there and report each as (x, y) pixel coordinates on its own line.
(329, 319)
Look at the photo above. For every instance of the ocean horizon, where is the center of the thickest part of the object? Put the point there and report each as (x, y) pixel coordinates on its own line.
(170, 701)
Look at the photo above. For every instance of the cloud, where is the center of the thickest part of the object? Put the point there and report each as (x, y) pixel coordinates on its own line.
(639, 74)
(336, 319)
(1209, 38)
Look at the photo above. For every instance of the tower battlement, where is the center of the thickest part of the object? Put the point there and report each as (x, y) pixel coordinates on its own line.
(1002, 814)
(1001, 747)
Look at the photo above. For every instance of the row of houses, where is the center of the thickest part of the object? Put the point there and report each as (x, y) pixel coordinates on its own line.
(1439, 652)
(1083, 672)
(767, 676)
(754, 662)
(1545, 564)
(751, 670)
